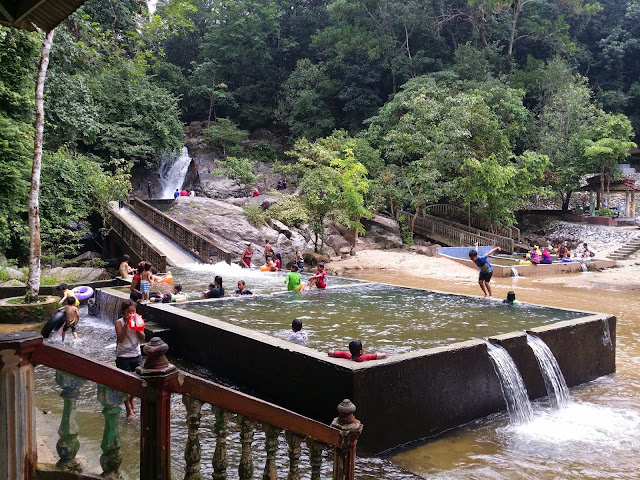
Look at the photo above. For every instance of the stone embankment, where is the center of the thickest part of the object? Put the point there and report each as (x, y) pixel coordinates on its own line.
(601, 239)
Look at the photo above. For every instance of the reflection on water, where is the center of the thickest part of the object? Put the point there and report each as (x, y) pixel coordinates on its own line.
(387, 319)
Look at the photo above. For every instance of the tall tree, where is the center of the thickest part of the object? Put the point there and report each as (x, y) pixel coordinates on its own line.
(33, 279)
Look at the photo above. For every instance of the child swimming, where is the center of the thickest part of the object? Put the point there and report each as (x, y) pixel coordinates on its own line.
(293, 279)
(511, 299)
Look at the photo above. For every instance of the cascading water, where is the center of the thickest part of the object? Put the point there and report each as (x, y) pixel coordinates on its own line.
(514, 272)
(172, 173)
(512, 385)
(554, 381)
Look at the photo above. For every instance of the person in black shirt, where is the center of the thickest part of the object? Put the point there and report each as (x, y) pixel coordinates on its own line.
(215, 289)
(242, 290)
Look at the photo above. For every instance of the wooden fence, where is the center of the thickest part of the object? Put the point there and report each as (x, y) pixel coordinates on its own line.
(154, 384)
(445, 210)
(203, 248)
(453, 235)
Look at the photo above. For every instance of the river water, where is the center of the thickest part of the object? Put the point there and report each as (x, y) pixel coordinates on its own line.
(597, 436)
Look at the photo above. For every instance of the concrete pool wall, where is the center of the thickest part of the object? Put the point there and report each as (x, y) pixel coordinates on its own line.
(400, 399)
(461, 255)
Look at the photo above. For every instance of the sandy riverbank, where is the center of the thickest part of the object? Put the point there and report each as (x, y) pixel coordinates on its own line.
(625, 277)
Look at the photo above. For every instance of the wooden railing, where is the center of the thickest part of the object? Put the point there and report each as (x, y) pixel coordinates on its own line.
(493, 238)
(136, 243)
(445, 210)
(444, 231)
(154, 384)
(203, 248)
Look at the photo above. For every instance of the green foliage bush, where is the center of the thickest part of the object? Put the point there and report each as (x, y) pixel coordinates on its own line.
(225, 136)
(289, 210)
(263, 152)
(255, 215)
(604, 212)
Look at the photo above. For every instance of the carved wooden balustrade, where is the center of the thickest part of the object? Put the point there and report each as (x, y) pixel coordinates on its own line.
(203, 248)
(156, 381)
(137, 243)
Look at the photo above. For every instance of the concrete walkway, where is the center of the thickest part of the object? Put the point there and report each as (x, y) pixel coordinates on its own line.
(176, 254)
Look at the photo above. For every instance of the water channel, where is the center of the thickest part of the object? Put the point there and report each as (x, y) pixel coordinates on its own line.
(596, 436)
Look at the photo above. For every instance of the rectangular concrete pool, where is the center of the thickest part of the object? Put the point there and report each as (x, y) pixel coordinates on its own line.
(386, 318)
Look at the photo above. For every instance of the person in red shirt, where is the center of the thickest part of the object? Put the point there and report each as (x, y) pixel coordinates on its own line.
(245, 260)
(319, 279)
(184, 193)
(356, 353)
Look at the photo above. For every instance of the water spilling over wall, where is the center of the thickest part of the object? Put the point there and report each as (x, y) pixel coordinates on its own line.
(554, 381)
(172, 173)
(513, 389)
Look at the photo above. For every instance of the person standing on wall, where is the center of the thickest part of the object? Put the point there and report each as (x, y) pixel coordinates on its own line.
(149, 189)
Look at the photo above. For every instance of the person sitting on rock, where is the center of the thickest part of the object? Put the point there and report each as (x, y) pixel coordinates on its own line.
(545, 257)
(356, 353)
(299, 261)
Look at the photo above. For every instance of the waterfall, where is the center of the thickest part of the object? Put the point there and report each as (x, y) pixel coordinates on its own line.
(514, 272)
(584, 267)
(108, 307)
(554, 382)
(512, 385)
(172, 173)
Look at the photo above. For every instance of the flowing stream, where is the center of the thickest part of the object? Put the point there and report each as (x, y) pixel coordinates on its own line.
(172, 173)
(554, 381)
(513, 389)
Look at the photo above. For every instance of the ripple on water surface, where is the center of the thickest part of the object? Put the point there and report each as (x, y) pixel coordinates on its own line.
(387, 318)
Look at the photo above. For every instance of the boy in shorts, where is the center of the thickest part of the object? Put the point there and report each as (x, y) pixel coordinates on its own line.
(72, 317)
(486, 270)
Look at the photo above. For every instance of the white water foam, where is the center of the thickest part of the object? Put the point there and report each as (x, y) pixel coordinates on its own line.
(582, 423)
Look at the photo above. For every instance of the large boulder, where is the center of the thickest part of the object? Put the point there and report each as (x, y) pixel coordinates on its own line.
(227, 226)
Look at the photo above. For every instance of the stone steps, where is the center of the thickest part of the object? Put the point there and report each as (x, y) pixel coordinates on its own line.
(626, 251)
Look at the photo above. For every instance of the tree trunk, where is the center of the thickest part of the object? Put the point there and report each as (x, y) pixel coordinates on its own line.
(33, 281)
(565, 201)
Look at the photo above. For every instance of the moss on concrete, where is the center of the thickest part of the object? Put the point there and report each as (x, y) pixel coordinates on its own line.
(13, 310)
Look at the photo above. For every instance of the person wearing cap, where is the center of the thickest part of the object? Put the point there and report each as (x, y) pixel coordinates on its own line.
(319, 279)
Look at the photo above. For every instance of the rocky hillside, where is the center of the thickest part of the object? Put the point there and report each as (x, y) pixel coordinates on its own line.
(227, 225)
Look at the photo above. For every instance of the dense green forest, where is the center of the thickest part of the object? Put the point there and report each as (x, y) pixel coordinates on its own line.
(478, 102)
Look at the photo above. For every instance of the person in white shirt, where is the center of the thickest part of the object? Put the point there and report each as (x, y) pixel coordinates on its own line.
(297, 335)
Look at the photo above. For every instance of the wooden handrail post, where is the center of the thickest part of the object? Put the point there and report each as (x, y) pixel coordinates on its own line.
(344, 460)
(155, 427)
(18, 454)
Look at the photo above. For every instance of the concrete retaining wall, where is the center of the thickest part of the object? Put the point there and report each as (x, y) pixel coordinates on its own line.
(500, 271)
(400, 399)
(8, 292)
